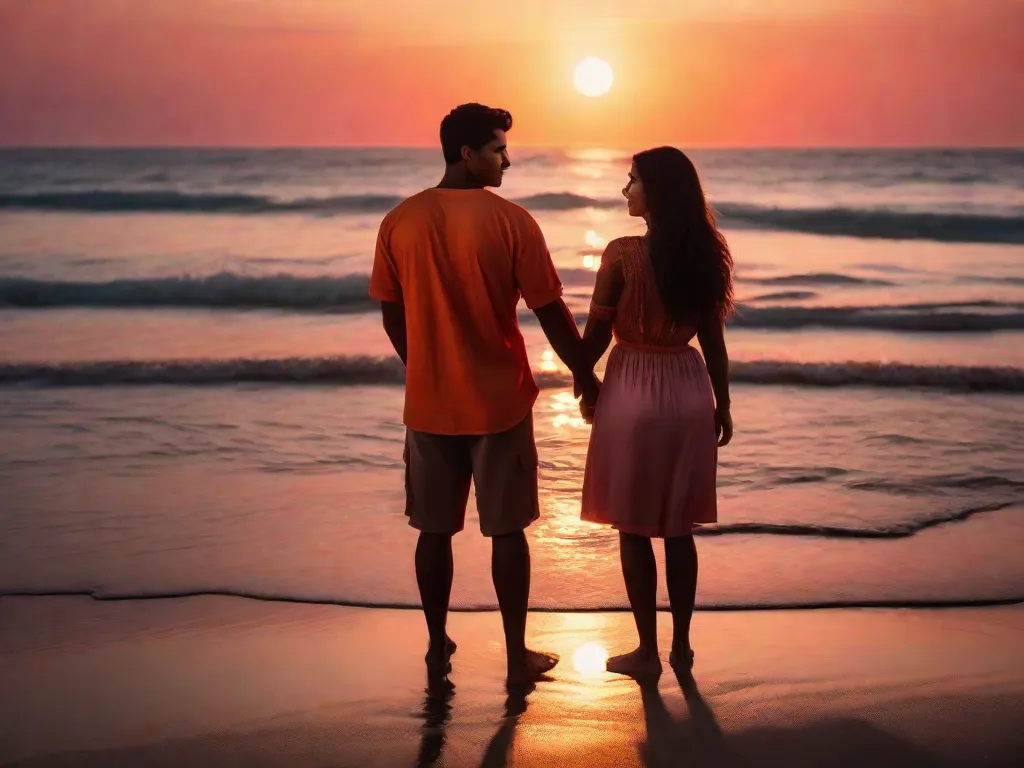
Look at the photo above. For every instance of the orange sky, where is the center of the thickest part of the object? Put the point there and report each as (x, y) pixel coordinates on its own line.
(383, 72)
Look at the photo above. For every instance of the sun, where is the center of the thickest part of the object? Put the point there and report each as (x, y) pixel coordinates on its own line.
(593, 77)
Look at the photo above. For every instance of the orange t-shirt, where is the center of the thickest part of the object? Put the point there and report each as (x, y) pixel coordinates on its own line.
(460, 259)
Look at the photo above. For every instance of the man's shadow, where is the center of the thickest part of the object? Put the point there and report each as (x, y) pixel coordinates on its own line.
(498, 750)
(697, 741)
(436, 714)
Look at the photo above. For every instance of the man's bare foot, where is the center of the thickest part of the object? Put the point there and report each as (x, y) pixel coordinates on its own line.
(439, 663)
(530, 667)
(639, 663)
(681, 658)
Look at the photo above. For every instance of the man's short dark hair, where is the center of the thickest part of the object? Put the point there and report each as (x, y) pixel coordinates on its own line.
(471, 125)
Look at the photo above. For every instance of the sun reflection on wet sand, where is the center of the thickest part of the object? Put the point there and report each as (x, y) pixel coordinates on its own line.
(589, 659)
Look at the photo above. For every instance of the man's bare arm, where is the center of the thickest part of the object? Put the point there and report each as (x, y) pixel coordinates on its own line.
(560, 329)
(393, 314)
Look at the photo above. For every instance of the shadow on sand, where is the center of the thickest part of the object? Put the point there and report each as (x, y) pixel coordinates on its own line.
(694, 740)
(437, 714)
(497, 753)
(699, 741)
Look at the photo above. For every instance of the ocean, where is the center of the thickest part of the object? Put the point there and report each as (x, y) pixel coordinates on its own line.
(196, 395)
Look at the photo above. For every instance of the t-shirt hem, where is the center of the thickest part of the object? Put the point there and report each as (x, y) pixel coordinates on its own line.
(379, 295)
(491, 429)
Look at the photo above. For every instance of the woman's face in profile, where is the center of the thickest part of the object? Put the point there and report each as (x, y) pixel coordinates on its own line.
(634, 193)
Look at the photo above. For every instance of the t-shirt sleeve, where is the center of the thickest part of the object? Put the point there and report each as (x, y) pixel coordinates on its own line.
(535, 273)
(384, 282)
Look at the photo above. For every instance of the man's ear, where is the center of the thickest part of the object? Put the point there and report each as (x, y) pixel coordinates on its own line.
(465, 153)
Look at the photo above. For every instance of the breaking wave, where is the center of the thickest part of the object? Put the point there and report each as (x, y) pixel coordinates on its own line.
(852, 222)
(383, 371)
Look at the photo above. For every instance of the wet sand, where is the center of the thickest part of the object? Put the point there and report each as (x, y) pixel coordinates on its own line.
(217, 681)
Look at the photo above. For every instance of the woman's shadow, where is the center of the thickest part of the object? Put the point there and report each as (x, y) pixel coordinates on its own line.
(828, 741)
(696, 741)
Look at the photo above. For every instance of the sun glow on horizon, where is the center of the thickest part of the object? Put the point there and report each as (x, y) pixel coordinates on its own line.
(593, 77)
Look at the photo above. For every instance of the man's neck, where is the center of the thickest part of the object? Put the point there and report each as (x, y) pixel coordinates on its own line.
(457, 178)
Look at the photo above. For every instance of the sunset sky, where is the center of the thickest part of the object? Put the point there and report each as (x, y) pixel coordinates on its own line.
(383, 72)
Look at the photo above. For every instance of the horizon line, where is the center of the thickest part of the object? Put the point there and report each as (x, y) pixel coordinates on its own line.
(533, 146)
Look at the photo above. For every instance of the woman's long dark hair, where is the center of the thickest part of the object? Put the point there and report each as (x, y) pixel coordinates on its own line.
(692, 263)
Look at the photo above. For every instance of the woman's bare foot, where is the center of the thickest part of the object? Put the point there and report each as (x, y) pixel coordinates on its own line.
(639, 663)
(530, 667)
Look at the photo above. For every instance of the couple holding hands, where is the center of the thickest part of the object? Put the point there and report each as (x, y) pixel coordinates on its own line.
(450, 267)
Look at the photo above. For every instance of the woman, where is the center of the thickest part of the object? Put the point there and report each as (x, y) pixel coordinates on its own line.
(661, 413)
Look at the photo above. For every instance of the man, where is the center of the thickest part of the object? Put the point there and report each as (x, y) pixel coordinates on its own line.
(450, 267)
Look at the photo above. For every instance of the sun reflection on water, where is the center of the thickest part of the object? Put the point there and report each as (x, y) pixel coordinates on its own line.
(548, 361)
(567, 409)
(568, 545)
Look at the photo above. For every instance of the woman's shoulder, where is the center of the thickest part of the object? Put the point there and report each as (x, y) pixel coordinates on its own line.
(627, 241)
(623, 252)
(621, 247)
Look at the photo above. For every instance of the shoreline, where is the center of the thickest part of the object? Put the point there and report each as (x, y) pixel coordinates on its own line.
(938, 605)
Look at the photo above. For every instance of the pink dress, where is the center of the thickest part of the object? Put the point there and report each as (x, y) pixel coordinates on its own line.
(653, 451)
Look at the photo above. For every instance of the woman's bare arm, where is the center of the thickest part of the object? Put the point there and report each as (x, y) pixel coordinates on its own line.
(711, 335)
(607, 291)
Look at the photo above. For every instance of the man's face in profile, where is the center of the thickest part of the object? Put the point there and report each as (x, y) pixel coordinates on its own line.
(487, 164)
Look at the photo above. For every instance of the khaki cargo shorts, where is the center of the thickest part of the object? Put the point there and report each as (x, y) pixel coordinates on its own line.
(502, 467)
